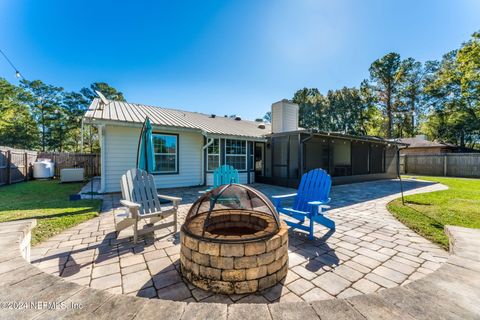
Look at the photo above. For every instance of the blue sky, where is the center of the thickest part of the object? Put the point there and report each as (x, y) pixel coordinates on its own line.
(223, 57)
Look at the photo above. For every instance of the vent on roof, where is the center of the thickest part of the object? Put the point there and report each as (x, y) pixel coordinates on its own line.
(261, 126)
(103, 101)
(212, 116)
(238, 118)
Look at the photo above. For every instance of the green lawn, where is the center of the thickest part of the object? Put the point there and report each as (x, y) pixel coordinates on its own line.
(428, 213)
(48, 202)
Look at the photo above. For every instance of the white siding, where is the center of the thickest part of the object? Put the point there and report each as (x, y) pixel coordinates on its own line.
(121, 150)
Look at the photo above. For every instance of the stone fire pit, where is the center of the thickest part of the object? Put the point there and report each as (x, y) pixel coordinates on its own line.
(233, 241)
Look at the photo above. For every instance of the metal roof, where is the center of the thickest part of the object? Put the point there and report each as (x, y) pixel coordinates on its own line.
(339, 135)
(422, 143)
(132, 113)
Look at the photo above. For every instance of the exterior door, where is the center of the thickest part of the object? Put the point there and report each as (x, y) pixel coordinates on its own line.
(259, 157)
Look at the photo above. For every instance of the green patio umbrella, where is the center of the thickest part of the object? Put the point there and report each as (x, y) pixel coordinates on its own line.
(145, 149)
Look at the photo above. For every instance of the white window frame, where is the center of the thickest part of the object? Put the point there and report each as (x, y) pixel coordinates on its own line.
(245, 155)
(219, 154)
(168, 154)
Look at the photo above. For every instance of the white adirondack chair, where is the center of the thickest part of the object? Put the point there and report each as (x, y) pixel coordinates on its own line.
(142, 201)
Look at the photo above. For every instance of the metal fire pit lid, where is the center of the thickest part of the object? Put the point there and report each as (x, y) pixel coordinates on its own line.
(231, 197)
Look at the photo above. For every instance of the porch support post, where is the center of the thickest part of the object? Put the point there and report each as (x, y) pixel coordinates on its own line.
(103, 166)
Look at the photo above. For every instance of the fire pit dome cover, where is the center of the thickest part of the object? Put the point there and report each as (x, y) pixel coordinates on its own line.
(231, 199)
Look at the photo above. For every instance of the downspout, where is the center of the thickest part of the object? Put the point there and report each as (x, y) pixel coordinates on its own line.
(209, 143)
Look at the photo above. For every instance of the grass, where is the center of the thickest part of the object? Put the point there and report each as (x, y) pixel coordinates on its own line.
(48, 202)
(428, 213)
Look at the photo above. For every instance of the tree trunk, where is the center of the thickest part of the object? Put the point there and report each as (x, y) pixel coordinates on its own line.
(388, 103)
(43, 131)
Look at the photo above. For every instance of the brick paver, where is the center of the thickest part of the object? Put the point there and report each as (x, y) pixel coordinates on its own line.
(369, 251)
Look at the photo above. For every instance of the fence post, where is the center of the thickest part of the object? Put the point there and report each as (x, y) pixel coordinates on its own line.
(25, 163)
(445, 165)
(405, 160)
(9, 167)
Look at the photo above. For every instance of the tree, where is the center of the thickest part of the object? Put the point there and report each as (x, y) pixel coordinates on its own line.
(409, 96)
(311, 105)
(17, 127)
(268, 117)
(385, 77)
(45, 102)
(453, 88)
(372, 120)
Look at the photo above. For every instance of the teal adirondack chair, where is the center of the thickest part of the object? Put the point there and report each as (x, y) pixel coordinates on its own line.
(224, 175)
(310, 201)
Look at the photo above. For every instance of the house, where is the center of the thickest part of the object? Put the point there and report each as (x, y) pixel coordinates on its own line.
(420, 145)
(190, 145)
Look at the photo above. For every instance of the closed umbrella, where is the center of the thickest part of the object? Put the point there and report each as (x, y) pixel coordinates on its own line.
(145, 150)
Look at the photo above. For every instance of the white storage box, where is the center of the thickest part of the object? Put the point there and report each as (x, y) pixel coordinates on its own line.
(71, 175)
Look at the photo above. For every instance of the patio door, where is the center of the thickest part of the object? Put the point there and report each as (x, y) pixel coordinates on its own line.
(259, 160)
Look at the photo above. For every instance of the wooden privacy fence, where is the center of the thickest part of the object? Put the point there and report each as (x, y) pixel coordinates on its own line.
(448, 164)
(16, 164)
(90, 162)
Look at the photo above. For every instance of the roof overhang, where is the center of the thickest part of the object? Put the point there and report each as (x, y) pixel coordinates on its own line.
(339, 136)
(131, 124)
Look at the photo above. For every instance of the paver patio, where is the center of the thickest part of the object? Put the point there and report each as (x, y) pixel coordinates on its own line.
(369, 251)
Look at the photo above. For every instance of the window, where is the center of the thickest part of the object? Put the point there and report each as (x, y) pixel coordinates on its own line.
(213, 155)
(166, 153)
(236, 153)
(251, 155)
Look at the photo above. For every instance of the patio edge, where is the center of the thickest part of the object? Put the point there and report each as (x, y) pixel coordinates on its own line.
(26, 292)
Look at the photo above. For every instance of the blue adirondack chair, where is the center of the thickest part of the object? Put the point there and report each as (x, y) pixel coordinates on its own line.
(310, 201)
(223, 175)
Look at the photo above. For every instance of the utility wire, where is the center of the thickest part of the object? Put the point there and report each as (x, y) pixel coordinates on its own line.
(17, 73)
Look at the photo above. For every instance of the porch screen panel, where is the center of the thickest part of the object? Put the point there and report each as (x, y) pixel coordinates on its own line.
(342, 157)
(377, 158)
(280, 157)
(293, 165)
(360, 157)
(316, 154)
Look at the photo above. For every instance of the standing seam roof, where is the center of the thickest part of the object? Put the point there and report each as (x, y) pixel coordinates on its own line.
(136, 113)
